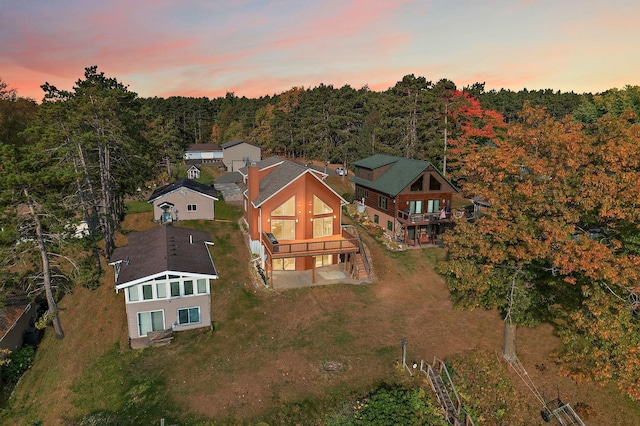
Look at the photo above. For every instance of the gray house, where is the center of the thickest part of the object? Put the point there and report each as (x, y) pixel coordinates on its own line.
(15, 317)
(238, 153)
(165, 274)
(184, 199)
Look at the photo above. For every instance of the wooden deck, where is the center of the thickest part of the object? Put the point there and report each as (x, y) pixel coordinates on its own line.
(422, 218)
(334, 244)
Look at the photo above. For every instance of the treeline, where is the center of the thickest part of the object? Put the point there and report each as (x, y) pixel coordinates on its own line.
(344, 124)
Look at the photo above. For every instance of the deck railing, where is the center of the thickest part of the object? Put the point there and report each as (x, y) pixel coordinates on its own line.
(426, 218)
(344, 244)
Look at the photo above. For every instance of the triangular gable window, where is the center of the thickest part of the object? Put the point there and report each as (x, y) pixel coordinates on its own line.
(288, 208)
(434, 184)
(320, 207)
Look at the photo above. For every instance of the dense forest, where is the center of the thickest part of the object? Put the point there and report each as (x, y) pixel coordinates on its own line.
(558, 168)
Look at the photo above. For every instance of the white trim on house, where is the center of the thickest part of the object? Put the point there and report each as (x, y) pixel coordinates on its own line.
(153, 277)
(309, 171)
(182, 188)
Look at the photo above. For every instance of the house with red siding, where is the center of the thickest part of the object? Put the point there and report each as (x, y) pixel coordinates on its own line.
(409, 199)
(295, 219)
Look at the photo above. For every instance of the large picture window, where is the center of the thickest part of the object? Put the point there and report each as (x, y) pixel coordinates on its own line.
(283, 229)
(324, 260)
(320, 207)
(286, 264)
(189, 315)
(288, 208)
(150, 321)
(322, 227)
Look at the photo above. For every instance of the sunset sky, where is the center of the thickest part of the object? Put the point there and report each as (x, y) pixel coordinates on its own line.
(262, 47)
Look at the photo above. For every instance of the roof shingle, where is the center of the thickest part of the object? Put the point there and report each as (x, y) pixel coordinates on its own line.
(165, 248)
(184, 183)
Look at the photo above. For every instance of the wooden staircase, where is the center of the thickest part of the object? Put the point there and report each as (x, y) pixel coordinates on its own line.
(360, 272)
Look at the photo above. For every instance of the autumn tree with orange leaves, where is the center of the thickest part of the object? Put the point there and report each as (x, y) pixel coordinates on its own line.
(561, 240)
(473, 128)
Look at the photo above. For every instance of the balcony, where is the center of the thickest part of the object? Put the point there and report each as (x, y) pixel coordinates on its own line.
(422, 218)
(333, 244)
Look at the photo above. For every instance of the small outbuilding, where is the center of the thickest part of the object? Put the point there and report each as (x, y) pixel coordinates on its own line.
(193, 172)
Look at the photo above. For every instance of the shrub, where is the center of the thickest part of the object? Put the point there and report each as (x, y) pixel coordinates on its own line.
(387, 406)
(19, 362)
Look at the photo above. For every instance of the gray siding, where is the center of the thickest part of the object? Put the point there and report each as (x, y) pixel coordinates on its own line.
(170, 308)
(233, 157)
(180, 199)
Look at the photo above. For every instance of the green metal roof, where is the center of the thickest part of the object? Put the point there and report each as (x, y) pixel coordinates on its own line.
(401, 174)
(376, 161)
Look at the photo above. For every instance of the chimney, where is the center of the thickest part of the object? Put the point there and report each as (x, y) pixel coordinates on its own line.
(253, 183)
(253, 187)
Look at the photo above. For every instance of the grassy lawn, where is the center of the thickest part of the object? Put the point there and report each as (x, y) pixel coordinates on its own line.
(295, 357)
(138, 206)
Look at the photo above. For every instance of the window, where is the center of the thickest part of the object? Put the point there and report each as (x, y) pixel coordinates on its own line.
(415, 207)
(382, 202)
(324, 260)
(434, 184)
(175, 289)
(417, 185)
(147, 292)
(390, 225)
(322, 227)
(320, 207)
(283, 229)
(191, 207)
(376, 218)
(189, 316)
(362, 193)
(188, 288)
(433, 206)
(286, 264)
(288, 208)
(150, 321)
(133, 293)
(161, 290)
(202, 285)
